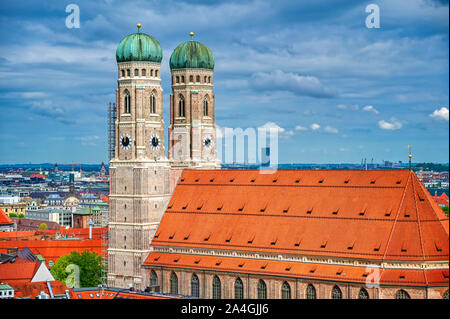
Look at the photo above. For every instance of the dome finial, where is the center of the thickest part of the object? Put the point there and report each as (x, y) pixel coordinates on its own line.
(139, 26)
(192, 35)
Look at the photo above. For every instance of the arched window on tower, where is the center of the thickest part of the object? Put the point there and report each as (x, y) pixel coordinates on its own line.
(238, 289)
(191, 78)
(336, 293)
(285, 291)
(197, 79)
(363, 294)
(123, 73)
(217, 288)
(401, 294)
(311, 292)
(195, 286)
(262, 289)
(173, 283)
(152, 104)
(182, 79)
(209, 79)
(181, 107)
(126, 102)
(156, 73)
(204, 79)
(136, 72)
(153, 279)
(177, 79)
(143, 72)
(205, 107)
(128, 72)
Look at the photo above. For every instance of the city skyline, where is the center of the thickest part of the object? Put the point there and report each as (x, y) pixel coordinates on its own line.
(336, 90)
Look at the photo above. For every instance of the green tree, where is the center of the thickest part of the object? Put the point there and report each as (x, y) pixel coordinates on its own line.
(89, 263)
(43, 226)
(12, 215)
(445, 209)
(21, 216)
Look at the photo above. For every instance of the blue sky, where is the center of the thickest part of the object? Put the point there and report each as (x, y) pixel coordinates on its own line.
(338, 91)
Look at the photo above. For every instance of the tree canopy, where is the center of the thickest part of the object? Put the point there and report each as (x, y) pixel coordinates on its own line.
(88, 263)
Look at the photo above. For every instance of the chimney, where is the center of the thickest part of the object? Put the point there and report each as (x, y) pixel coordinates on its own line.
(12, 250)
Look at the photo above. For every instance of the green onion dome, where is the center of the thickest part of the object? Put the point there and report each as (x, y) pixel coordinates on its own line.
(139, 47)
(192, 55)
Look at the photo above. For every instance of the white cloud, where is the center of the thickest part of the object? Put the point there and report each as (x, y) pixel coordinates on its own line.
(392, 125)
(315, 126)
(440, 115)
(370, 108)
(297, 84)
(330, 129)
(342, 106)
(301, 128)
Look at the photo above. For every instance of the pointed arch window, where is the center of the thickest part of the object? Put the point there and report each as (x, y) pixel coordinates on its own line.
(311, 292)
(152, 104)
(173, 283)
(205, 107)
(336, 293)
(262, 289)
(238, 289)
(126, 102)
(217, 288)
(195, 286)
(401, 294)
(153, 278)
(363, 294)
(181, 107)
(285, 291)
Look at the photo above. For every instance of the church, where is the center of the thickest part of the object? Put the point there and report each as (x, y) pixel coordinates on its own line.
(182, 225)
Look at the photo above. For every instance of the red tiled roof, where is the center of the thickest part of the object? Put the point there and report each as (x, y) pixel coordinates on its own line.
(20, 269)
(370, 215)
(441, 200)
(25, 288)
(53, 249)
(5, 219)
(37, 176)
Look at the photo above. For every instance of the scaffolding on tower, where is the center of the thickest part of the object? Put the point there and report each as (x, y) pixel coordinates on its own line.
(112, 116)
(104, 252)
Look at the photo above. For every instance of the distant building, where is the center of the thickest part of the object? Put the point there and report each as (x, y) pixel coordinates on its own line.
(6, 291)
(27, 224)
(441, 200)
(61, 216)
(6, 223)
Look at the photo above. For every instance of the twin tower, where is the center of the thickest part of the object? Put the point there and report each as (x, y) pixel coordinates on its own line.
(141, 176)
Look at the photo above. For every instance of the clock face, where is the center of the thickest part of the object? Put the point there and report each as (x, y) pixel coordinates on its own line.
(125, 141)
(155, 141)
(208, 142)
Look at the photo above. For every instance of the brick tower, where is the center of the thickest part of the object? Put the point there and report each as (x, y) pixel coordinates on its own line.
(139, 171)
(192, 131)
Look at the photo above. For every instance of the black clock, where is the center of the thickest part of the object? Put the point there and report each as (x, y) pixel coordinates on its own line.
(154, 141)
(125, 141)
